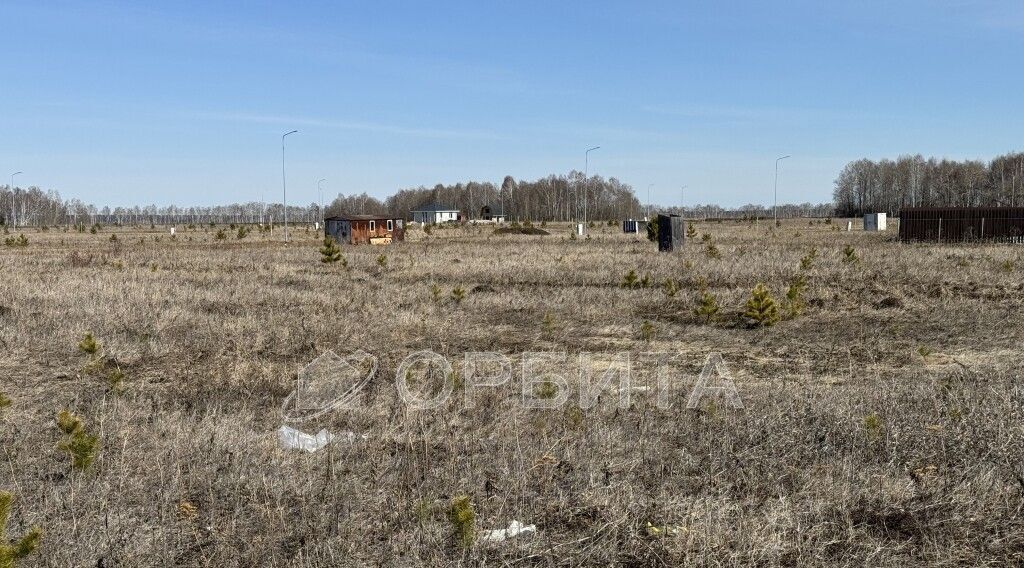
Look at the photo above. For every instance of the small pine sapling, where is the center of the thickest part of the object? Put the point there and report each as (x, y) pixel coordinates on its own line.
(671, 287)
(329, 252)
(691, 232)
(873, 427)
(630, 280)
(548, 324)
(546, 389)
(652, 229)
(707, 306)
(20, 241)
(463, 521)
(795, 296)
(115, 380)
(808, 259)
(13, 551)
(458, 294)
(77, 443)
(761, 307)
(88, 344)
(647, 331)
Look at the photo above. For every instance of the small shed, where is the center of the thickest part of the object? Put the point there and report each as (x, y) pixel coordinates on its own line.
(365, 229)
(494, 213)
(671, 229)
(874, 222)
(434, 212)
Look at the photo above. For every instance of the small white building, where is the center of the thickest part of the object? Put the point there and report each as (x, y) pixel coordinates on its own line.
(434, 212)
(874, 222)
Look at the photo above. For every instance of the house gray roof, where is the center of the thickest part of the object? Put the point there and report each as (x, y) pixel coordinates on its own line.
(434, 207)
(495, 208)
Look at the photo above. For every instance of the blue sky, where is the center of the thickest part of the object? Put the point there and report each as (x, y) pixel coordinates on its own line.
(185, 102)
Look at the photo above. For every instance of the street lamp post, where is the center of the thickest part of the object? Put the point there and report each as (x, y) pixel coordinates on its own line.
(14, 203)
(284, 185)
(320, 194)
(586, 180)
(775, 207)
(649, 186)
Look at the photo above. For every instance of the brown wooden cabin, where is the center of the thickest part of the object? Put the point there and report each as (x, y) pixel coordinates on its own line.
(365, 229)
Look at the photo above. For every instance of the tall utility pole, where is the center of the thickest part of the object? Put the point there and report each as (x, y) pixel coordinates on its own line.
(284, 185)
(14, 204)
(320, 193)
(586, 179)
(649, 186)
(682, 207)
(775, 208)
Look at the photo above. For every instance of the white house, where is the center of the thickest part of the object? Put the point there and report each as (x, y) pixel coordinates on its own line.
(435, 212)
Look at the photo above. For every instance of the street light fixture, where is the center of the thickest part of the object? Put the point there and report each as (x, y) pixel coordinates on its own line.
(649, 186)
(320, 193)
(284, 185)
(586, 179)
(14, 204)
(775, 208)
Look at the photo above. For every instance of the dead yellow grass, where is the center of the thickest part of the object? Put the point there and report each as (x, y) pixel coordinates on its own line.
(210, 335)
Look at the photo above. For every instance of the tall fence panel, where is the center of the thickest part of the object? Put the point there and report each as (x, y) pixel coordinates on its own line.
(962, 224)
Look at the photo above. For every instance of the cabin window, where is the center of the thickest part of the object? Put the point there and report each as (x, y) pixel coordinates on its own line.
(373, 226)
(391, 225)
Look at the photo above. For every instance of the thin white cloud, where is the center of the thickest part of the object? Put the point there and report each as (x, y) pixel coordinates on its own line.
(295, 121)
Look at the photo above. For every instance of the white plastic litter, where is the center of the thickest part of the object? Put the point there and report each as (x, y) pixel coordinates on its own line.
(352, 436)
(292, 439)
(514, 529)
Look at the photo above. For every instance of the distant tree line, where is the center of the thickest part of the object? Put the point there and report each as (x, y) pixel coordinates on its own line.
(866, 186)
(34, 207)
(751, 211)
(552, 198)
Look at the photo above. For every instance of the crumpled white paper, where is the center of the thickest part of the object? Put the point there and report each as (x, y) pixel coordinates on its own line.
(514, 529)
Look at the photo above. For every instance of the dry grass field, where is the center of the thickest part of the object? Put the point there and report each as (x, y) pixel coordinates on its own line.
(883, 425)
